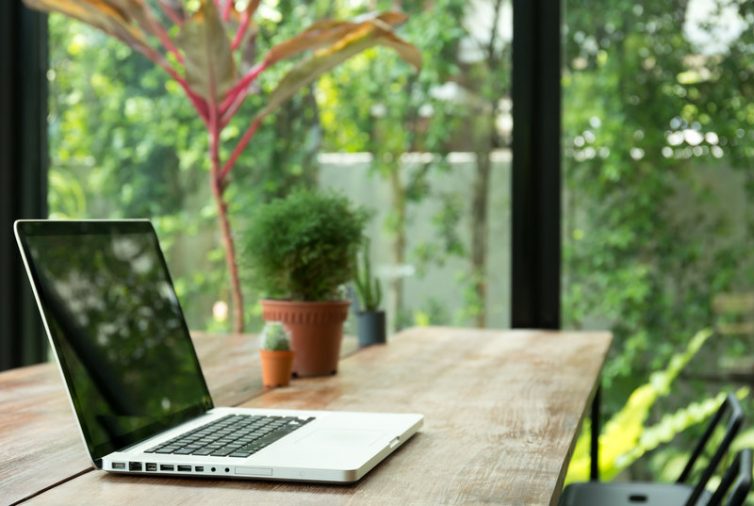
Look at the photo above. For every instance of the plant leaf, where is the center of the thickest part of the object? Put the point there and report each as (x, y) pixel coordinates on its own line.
(109, 16)
(139, 11)
(326, 32)
(210, 69)
(368, 34)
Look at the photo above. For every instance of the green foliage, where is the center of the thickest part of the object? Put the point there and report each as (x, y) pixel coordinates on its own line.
(275, 337)
(657, 154)
(302, 247)
(125, 141)
(649, 237)
(368, 288)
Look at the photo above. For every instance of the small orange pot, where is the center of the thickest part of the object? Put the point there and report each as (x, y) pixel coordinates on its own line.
(316, 332)
(276, 367)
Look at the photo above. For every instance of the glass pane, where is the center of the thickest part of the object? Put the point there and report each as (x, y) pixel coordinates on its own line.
(657, 224)
(427, 153)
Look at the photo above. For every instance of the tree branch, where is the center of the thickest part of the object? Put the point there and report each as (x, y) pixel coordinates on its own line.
(493, 35)
(241, 32)
(237, 94)
(239, 149)
(159, 30)
(171, 13)
(226, 9)
(158, 59)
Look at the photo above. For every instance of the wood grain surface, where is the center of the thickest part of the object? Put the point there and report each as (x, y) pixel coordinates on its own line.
(40, 444)
(502, 412)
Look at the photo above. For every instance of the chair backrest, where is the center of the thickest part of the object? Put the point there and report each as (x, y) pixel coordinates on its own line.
(731, 411)
(738, 476)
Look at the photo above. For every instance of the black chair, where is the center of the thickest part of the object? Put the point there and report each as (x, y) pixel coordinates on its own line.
(679, 493)
(740, 473)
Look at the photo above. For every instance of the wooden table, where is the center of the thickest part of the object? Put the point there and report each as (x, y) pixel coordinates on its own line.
(502, 411)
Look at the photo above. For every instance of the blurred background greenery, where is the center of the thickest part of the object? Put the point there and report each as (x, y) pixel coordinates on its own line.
(658, 136)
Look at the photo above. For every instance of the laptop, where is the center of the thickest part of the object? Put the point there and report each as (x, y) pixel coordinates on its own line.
(135, 383)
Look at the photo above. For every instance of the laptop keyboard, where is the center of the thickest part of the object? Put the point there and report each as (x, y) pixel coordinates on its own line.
(232, 436)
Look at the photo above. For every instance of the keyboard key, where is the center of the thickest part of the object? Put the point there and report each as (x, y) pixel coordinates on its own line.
(168, 449)
(242, 454)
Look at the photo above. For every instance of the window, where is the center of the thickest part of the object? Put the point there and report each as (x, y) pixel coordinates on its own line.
(428, 153)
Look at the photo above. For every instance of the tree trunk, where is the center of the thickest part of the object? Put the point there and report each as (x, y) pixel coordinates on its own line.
(485, 142)
(398, 247)
(230, 258)
(218, 190)
(479, 226)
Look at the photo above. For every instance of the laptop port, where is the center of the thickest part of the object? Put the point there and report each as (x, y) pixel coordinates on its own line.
(199, 469)
(134, 466)
(166, 467)
(118, 465)
(185, 469)
(151, 467)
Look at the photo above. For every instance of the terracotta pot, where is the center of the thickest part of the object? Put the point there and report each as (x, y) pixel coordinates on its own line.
(316, 332)
(276, 367)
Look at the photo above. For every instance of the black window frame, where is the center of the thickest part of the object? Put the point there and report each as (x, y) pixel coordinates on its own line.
(23, 173)
(536, 165)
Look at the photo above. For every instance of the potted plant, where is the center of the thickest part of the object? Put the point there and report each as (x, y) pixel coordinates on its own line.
(276, 355)
(299, 251)
(370, 319)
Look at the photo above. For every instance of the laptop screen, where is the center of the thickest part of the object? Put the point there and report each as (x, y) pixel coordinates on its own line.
(117, 329)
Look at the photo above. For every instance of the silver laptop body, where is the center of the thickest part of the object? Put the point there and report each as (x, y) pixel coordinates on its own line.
(134, 381)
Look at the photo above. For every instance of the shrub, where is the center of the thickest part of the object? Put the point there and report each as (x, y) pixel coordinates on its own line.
(302, 247)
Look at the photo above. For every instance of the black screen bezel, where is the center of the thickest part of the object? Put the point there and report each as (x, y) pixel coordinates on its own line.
(73, 229)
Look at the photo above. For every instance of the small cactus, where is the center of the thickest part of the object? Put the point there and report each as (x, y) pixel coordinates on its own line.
(367, 287)
(275, 337)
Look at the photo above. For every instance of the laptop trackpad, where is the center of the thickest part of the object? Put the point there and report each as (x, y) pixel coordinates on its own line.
(327, 439)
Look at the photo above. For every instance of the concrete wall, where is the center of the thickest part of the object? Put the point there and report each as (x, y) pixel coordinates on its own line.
(443, 284)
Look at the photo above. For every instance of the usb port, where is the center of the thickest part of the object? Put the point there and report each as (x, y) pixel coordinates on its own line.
(119, 465)
(134, 466)
(199, 469)
(166, 467)
(185, 469)
(151, 467)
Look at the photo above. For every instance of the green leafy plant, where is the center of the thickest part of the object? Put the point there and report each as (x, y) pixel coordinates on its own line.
(210, 51)
(626, 438)
(275, 337)
(302, 247)
(368, 288)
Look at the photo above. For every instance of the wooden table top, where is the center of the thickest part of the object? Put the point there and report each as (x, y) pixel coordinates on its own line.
(502, 411)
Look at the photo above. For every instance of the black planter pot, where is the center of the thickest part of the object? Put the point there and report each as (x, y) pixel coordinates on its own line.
(371, 327)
